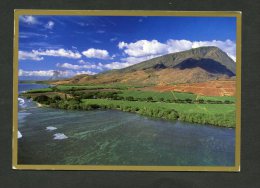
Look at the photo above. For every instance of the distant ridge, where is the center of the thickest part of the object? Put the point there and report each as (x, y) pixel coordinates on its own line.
(190, 66)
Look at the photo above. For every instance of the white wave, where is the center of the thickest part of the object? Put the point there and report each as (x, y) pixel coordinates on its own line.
(59, 136)
(21, 101)
(19, 135)
(50, 128)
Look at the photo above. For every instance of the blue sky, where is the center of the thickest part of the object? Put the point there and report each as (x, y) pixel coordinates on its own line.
(69, 45)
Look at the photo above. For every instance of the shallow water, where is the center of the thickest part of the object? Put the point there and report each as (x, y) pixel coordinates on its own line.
(110, 137)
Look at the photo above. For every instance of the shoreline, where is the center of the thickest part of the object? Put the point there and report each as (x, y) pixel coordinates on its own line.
(39, 104)
(186, 108)
(100, 107)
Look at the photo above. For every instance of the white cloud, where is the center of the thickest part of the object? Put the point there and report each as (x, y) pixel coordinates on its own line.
(96, 53)
(49, 25)
(30, 20)
(23, 55)
(60, 53)
(126, 62)
(145, 48)
(178, 45)
(85, 72)
(113, 39)
(37, 54)
(44, 73)
(53, 73)
(117, 65)
(68, 66)
(98, 66)
(122, 45)
(31, 34)
(227, 46)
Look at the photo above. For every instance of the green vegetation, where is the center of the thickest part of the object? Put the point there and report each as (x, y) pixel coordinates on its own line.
(166, 96)
(157, 95)
(188, 107)
(221, 115)
(91, 87)
(139, 95)
(44, 90)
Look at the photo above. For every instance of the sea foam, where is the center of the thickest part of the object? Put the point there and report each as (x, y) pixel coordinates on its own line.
(50, 128)
(21, 102)
(59, 136)
(19, 135)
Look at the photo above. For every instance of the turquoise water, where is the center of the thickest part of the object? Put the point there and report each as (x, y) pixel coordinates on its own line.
(109, 137)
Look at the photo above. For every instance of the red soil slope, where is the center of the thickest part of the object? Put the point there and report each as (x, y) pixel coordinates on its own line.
(210, 88)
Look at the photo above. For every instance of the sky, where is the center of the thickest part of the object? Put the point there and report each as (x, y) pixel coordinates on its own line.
(65, 46)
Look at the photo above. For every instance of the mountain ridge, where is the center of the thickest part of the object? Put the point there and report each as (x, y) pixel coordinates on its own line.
(190, 66)
(211, 52)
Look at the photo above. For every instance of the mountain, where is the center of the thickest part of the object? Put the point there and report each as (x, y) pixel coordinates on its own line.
(191, 66)
(174, 59)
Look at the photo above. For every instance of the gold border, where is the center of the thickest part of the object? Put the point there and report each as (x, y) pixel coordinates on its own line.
(236, 14)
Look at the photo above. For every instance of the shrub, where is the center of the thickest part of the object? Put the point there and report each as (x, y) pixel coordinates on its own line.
(57, 98)
(188, 100)
(42, 99)
(161, 99)
(94, 106)
(228, 102)
(130, 98)
(149, 98)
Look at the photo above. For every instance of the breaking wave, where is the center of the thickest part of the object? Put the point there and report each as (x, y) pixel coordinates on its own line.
(19, 135)
(59, 136)
(21, 102)
(50, 128)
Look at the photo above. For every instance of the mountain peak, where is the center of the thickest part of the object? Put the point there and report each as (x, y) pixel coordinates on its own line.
(173, 59)
(204, 49)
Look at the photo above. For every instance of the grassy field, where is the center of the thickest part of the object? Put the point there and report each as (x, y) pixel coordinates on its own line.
(215, 114)
(172, 95)
(185, 108)
(82, 87)
(167, 105)
(134, 92)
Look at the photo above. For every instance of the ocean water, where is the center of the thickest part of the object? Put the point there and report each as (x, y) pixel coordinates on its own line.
(26, 87)
(25, 104)
(110, 137)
